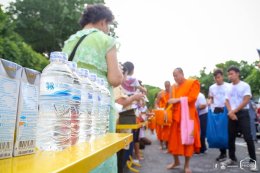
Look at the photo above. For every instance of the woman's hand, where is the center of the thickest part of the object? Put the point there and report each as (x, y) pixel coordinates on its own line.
(137, 96)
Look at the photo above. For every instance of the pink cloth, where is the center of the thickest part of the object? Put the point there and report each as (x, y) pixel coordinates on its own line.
(187, 125)
(130, 84)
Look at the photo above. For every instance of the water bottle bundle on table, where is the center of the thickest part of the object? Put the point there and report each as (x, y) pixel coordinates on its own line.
(63, 107)
(73, 106)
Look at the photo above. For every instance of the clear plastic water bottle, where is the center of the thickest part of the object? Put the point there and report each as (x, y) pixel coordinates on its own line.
(86, 107)
(75, 104)
(54, 125)
(96, 119)
(103, 113)
(104, 83)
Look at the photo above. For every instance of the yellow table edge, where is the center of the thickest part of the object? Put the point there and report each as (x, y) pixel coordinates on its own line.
(130, 126)
(80, 158)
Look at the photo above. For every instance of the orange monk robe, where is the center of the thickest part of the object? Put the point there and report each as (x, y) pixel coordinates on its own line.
(158, 127)
(159, 132)
(190, 89)
(164, 131)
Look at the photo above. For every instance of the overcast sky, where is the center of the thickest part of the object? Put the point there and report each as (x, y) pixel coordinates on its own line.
(159, 35)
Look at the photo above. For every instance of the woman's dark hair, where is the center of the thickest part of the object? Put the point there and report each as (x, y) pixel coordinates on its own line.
(218, 71)
(233, 68)
(95, 13)
(125, 70)
(140, 82)
(130, 67)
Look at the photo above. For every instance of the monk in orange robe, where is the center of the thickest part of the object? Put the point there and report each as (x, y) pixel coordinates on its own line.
(183, 88)
(158, 127)
(163, 131)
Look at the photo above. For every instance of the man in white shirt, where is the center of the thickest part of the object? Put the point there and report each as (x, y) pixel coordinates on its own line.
(238, 111)
(202, 108)
(217, 95)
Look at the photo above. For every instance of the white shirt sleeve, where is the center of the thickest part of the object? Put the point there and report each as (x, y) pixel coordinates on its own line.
(210, 92)
(227, 96)
(247, 91)
(228, 91)
(201, 100)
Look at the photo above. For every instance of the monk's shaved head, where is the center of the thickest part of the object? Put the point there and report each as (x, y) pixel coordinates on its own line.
(178, 69)
(167, 82)
(178, 75)
(167, 85)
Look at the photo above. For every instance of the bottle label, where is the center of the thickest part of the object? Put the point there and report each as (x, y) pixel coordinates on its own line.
(76, 94)
(56, 86)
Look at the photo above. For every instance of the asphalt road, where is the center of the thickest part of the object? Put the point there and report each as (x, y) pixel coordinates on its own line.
(155, 160)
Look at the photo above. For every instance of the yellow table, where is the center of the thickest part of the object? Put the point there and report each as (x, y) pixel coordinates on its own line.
(80, 158)
(130, 162)
(130, 126)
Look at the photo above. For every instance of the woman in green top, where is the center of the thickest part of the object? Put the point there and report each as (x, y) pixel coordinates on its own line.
(97, 53)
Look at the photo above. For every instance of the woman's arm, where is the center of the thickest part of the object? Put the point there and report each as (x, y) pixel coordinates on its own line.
(126, 101)
(142, 89)
(114, 73)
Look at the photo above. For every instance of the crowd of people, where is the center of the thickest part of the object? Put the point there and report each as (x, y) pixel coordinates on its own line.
(231, 99)
(184, 106)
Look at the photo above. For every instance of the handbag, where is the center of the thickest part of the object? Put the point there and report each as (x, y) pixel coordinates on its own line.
(217, 129)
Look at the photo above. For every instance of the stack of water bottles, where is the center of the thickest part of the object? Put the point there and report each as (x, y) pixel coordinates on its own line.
(74, 105)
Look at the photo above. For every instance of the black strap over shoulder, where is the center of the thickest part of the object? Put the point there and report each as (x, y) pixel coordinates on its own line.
(76, 46)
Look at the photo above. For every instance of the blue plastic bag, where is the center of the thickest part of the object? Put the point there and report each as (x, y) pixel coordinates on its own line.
(217, 129)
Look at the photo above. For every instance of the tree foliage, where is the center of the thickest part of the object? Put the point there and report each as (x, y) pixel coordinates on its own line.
(45, 25)
(254, 81)
(248, 72)
(13, 48)
(112, 31)
(151, 94)
(206, 80)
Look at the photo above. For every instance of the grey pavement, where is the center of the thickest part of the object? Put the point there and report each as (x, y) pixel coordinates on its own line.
(155, 160)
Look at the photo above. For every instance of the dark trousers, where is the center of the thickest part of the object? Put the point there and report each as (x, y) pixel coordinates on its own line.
(203, 128)
(120, 161)
(216, 111)
(242, 123)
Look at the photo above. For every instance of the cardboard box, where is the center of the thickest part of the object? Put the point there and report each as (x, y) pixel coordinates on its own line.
(27, 114)
(10, 75)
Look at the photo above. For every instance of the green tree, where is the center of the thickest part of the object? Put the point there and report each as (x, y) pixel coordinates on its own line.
(112, 31)
(205, 81)
(245, 68)
(224, 66)
(151, 94)
(253, 79)
(45, 25)
(248, 73)
(13, 48)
